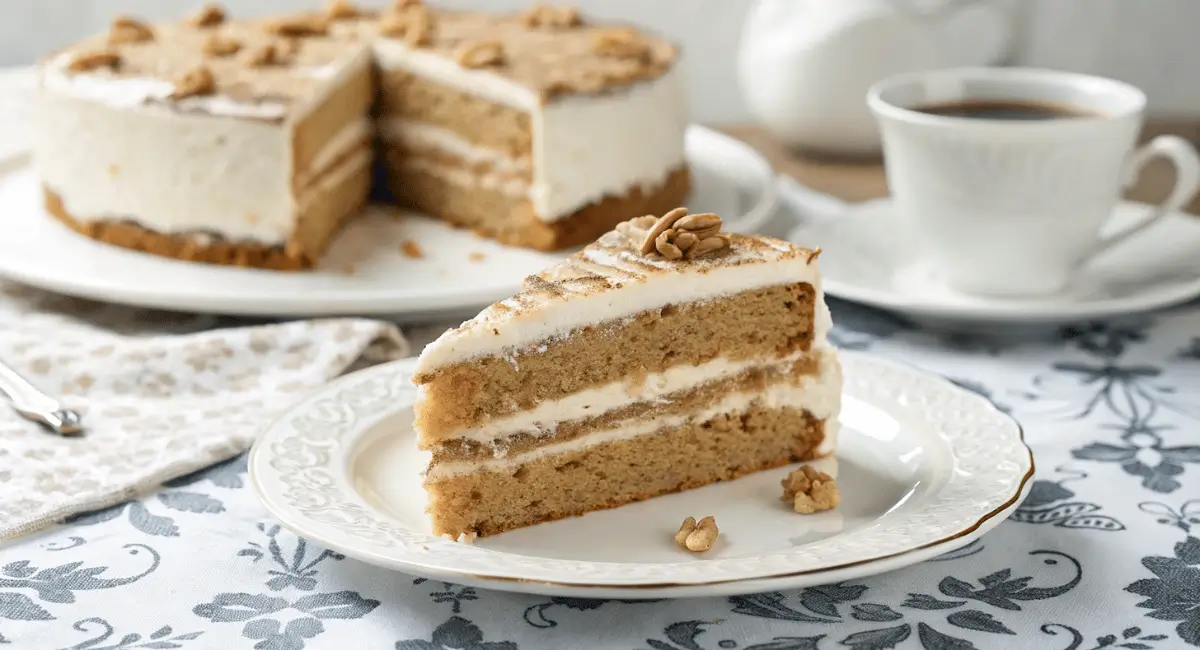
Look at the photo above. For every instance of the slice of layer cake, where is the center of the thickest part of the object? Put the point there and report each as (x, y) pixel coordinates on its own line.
(663, 357)
(236, 142)
(535, 129)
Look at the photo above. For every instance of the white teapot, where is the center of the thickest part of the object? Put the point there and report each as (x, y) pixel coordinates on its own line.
(805, 65)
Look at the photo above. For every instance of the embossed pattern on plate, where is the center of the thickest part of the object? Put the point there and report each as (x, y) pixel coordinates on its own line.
(972, 468)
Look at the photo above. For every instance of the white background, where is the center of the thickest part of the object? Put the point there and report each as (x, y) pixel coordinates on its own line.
(1152, 43)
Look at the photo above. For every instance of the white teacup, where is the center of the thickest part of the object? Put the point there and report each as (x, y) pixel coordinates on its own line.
(1008, 207)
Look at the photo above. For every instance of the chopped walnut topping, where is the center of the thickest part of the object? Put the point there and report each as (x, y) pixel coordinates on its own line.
(263, 55)
(129, 30)
(411, 249)
(198, 81)
(810, 490)
(93, 60)
(621, 43)
(413, 24)
(480, 54)
(551, 17)
(341, 10)
(697, 537)
(221, 46)
(676, 235)
(209, 15)
(298, 26)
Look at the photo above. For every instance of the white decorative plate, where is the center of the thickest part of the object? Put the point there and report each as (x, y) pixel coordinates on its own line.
(364, 273)
(924, 467)
(869, 258)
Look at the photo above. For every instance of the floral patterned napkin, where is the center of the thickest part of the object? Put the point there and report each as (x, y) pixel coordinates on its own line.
(161, 394)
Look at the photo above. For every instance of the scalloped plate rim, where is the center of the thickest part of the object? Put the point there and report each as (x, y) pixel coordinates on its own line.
(862, 567)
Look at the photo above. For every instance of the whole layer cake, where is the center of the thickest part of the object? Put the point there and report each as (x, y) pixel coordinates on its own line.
(251, 142)
(663, 357)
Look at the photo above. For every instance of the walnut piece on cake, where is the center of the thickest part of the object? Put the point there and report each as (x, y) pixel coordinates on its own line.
(129, 30)
(541, 16)
(221, 46)
(298, 26)
(209, 15)
(697, 536)
(480, 54)
(93, 60)
(267, 54)
(411, 23)
(810, 490)
(195, 82)
(676, 235)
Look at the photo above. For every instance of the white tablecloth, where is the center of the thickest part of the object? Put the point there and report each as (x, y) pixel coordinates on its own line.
(1105, 552)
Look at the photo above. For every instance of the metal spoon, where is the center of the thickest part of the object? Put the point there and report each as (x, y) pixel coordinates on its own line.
(34, 405)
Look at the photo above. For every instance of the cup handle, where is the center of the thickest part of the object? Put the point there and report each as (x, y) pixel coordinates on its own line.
(1183, 155)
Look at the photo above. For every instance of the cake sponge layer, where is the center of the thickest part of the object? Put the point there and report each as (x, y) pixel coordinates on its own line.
(766, 323)
(611, 474)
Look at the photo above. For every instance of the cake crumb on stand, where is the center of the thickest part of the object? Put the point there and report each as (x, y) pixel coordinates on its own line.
(810, 490)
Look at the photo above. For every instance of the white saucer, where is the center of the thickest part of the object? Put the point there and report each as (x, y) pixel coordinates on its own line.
(364, 273)
(923, 466)
(869, 258)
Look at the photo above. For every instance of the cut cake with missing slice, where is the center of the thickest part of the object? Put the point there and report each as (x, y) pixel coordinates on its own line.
(663, 357)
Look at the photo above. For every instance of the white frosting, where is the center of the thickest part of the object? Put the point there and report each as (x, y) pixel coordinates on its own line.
(420, 137)
(131, 92)
(517, 326)
(588, 147)
(542, 419)
(585, 147)
(820, 395)
(109, 155)
(392, 54)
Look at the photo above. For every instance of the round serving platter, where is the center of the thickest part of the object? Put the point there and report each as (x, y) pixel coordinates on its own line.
(924, 467)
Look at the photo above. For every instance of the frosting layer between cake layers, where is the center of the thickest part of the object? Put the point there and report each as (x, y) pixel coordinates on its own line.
(115, 149)
(585, 147)
(818, 394)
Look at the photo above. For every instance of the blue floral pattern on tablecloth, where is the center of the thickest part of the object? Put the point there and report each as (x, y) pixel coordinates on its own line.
(1103, 553)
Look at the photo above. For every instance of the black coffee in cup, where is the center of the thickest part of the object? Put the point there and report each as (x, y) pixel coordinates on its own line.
(982, 109)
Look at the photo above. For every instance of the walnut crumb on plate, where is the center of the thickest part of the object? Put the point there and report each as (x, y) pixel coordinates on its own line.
(697, 536)
(810, 490)
(411, 249)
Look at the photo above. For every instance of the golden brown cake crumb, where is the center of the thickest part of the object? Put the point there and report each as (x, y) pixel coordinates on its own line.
(411, 249)
(541, 16)
(480, 54)
(198, 81)
(93, 60)
(810, 490)
(209, 15)
(476, 257)
(220, 46)
(401, 4)
(697, 537)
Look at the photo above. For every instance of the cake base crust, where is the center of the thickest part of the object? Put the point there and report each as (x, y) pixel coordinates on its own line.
(510, 221)
(126, 234)
(620, 472)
